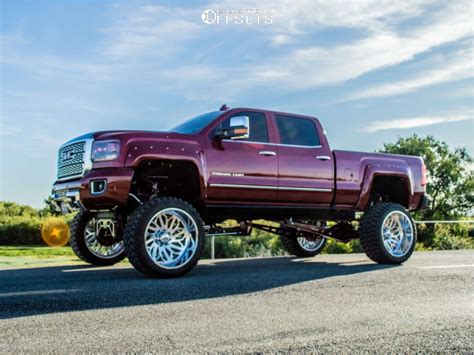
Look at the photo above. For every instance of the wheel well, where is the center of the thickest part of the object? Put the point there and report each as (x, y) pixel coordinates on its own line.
(389, 189)
(173, 178)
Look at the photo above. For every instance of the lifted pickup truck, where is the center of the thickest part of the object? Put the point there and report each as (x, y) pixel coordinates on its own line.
(154, 196)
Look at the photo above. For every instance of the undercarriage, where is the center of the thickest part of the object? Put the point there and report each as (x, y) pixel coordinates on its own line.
(342, 232)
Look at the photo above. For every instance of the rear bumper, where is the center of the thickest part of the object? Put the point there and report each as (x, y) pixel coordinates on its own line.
(425, 203)
(80, 194)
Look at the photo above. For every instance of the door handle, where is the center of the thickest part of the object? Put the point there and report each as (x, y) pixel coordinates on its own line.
(323, 157)
(267, 153)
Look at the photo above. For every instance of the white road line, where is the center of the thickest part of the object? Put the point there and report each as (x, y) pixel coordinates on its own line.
(35, 293)
(445, 266)
(96, 268)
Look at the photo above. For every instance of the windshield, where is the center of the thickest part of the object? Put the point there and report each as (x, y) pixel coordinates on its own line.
(196, 124)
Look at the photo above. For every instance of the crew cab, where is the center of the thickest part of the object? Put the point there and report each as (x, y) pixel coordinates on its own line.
(154, 196)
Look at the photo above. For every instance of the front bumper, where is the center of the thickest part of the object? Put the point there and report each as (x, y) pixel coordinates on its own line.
(79, 194)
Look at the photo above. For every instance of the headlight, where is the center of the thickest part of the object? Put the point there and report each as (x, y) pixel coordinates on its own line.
(105, 150)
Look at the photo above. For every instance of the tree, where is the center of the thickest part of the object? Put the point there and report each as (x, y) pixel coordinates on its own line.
(50, 208)
(450, 174)
(13, 209)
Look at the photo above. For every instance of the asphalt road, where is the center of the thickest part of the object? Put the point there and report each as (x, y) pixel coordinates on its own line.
(328, 303)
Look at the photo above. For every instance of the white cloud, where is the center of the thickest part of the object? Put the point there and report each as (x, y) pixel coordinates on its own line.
(314, 66)
(413, 122)
(49, 66)
(383, 47)
(280, 39)
(7, 130)
(460, 68)
(150, 29)
(300, 16)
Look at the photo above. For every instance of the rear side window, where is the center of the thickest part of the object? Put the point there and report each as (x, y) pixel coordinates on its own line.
(297, 131)
(258, 126)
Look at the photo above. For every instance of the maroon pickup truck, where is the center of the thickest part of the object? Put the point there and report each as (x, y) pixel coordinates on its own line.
(154, 196)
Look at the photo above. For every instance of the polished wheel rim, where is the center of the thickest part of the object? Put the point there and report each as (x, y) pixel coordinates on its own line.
(310, 245)
(171, 238)
(397, 232)
(100, 250)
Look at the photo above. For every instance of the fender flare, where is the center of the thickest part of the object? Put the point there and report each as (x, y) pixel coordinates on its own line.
(389, 170)
(173, 151)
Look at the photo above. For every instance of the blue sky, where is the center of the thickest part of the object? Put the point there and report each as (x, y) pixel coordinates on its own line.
(371, 70)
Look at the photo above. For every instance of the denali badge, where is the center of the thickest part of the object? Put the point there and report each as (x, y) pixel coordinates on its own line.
(227, 174)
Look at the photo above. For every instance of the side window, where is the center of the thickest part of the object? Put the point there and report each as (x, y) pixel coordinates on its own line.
(297, 131)
(258, 131)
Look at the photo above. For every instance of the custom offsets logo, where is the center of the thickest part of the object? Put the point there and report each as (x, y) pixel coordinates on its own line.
(237, 17)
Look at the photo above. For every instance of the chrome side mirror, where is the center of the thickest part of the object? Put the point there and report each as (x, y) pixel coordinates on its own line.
(239, 129)
(243, 125)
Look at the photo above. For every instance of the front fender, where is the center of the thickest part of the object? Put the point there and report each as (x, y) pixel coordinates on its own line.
(175, 150)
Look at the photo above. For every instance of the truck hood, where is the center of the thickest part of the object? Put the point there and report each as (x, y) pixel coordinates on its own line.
(139, 142)
(125, 135)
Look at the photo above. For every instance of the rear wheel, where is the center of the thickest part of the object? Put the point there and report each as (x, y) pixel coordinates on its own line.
(388, 233)
(164, 237)
(303, 246)
(95, 240)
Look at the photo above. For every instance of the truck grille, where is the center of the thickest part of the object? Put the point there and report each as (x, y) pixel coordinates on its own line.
(71, 160)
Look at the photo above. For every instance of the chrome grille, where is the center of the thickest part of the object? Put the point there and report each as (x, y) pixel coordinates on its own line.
(71, 160)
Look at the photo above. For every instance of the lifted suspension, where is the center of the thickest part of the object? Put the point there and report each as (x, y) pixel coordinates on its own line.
(342, 232)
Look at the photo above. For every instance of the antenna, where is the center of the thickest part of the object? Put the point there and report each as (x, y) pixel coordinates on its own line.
(224, 108)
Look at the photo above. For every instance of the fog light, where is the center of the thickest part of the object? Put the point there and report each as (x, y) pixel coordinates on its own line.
(98, 186)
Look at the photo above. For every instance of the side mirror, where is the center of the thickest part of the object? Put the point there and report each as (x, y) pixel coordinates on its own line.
(239, 129)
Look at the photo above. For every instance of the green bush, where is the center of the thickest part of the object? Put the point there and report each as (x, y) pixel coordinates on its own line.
(20, 230)
(335, 247)
(449, 237)
(21, 225)
(444, 237)
(258, 244)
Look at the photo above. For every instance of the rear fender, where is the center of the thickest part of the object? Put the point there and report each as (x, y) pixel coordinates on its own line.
(390, 170)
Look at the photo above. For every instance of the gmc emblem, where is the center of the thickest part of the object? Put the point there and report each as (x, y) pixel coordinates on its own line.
(68, 155)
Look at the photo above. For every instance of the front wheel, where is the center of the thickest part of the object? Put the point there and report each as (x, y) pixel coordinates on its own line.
(388, 233)
(96, 241)
(164, 237)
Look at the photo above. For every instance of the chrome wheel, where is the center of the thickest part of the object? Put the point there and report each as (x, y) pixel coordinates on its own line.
(310, 245)
(397, 233)
(171, 238)
(99, 236)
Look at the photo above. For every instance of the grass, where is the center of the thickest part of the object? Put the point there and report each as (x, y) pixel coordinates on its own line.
(37, 251)
(35, 256)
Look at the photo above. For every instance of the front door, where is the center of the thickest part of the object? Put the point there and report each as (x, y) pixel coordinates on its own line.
(306, 167)
(245, 169)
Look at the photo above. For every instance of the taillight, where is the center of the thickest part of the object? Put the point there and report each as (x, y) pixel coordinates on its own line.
(423, 175)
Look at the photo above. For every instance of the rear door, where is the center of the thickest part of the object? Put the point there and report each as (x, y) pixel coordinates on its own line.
(243, 169)
(306, 167)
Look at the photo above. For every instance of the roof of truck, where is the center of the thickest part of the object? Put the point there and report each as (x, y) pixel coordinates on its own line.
(270, 111)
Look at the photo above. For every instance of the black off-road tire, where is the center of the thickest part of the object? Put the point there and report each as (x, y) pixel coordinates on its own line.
(370, 232)
(78, 243)
(291, 245)
(134, 235)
